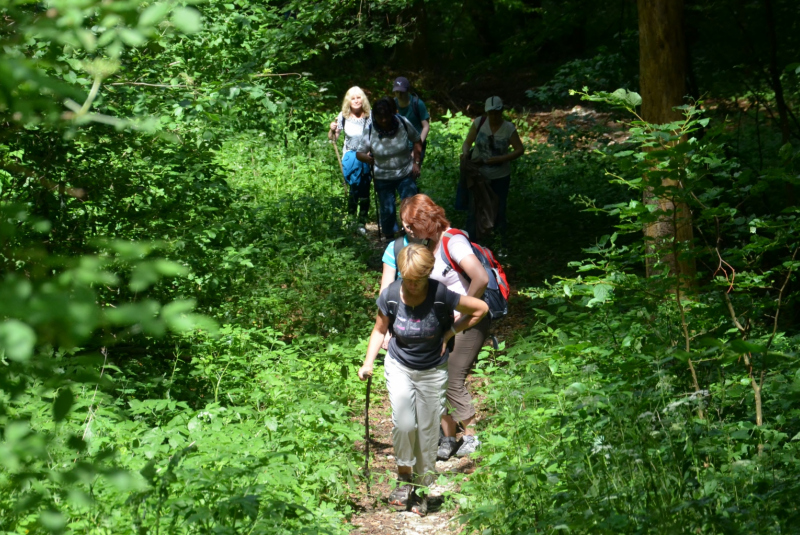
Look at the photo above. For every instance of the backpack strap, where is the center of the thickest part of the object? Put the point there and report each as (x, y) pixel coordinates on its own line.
(415, 106)
(402, 122)
(443, 314)
(398, 244)
(449, 233)
(343, 121)
(480, 124)
(392, 302)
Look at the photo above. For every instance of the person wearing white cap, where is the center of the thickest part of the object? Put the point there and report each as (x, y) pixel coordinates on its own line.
(492, 136)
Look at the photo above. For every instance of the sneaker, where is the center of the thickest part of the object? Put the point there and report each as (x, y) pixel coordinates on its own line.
(400, 496)
(469, 446)
(419, 505)
(447, 446)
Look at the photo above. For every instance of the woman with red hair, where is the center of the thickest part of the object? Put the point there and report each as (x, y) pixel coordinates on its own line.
(426, 222)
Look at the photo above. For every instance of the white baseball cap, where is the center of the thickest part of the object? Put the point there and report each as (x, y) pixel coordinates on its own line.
(493, 103)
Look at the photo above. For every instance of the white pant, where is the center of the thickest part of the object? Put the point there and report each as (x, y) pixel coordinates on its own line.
(417, 398)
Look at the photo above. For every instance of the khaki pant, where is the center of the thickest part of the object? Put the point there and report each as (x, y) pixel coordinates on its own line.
(417, 398)
(462, 358)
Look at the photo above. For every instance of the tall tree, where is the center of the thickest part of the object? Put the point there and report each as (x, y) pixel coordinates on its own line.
(662, 79)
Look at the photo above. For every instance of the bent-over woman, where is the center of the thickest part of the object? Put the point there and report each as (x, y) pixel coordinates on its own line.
(425, 221)
(352, 120)
(419, 312)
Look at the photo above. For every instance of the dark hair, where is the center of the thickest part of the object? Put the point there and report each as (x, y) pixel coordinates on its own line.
(385, 107)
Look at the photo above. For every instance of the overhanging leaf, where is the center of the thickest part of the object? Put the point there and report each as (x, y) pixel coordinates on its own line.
(186, 20)
(17, 340)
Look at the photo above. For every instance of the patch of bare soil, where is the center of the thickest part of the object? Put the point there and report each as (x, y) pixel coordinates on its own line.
(376, 517)
(583, 125)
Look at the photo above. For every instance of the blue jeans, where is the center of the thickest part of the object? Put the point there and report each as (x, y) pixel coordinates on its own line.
(500, 187)
(359, 197)
(406, 187)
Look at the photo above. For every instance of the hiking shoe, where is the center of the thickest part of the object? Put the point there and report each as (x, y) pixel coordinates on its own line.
(401, 495)
(447, 447)
(419, 505)
(469, 446)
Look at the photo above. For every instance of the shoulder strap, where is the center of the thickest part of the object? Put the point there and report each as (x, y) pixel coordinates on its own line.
(392, 300)
(398, 246)
(402, 122)
(444, 315)
(343, 121)
(415, 106)
(449, 233)
(483, 120)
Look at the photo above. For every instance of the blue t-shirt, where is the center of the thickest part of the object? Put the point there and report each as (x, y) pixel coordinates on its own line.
(388, 255)
(410, 112)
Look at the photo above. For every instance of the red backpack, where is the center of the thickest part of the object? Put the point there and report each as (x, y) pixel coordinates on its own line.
(497, 291)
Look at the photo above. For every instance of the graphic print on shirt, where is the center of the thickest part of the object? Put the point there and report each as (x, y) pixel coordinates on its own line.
(416, 329)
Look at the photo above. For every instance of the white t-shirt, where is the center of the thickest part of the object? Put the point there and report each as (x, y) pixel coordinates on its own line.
(459, 248)
(488, 145)
(353, 129)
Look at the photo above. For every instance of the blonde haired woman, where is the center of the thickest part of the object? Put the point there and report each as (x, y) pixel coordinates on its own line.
(354, 118)
(419, 313)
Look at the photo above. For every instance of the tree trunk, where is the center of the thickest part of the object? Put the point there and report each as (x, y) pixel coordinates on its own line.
(662, 79)
(481, 13)
(414, 54)
(775, 74)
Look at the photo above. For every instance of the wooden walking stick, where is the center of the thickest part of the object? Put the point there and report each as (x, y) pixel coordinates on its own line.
(338, 159)
(366, 435)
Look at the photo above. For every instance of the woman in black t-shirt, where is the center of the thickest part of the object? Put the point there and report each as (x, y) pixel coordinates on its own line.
(417, 310)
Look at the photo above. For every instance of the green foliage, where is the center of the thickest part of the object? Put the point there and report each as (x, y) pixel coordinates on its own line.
(604, 71)
(123, 410)
(630, 407)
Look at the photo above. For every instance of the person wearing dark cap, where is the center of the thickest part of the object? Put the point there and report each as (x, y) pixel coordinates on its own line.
(492, 136)
(410, 106)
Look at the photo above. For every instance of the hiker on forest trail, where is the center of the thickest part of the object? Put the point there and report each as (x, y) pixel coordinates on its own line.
(410, 106)
(425, 221)
(492, 135)
(352, 120)
(420, 314)
(384, 145)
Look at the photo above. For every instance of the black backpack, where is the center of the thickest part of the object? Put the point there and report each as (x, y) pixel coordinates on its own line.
(445, 317)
